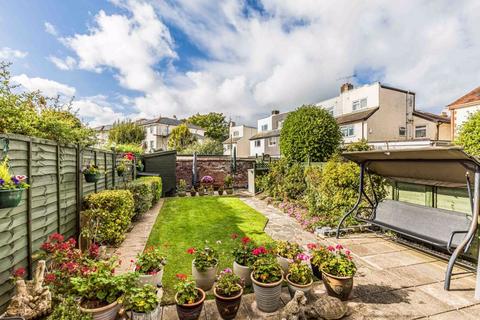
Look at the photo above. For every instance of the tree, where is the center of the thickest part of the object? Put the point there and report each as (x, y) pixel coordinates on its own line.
(469, 135)
(180, 138)
(126, 132)
(309, 133)
(214, 124)
(207, 147)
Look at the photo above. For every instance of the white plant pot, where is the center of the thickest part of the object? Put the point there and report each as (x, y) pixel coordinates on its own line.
(154, 279)
(243, 272)
(267, 295)
(152, 315)
(104, 313)
(204, 279)
(293, 287)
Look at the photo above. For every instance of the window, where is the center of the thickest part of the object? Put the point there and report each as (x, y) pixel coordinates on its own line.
(151, 129)
(264, 127)
(420, 131)
(152, 146)
(347, 131)
(402, 131)
(359, 104)
(258, 143)
(236, 133)
(272, 142)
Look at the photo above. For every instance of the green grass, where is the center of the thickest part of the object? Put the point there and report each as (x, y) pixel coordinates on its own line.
(188, 222)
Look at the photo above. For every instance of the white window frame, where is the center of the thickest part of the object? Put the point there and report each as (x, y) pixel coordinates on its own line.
(236, 133)
(421, 128)
(400, 129)
(272, 141)
(258, 143)
(347, 131)
(264, 127)
(359, 104)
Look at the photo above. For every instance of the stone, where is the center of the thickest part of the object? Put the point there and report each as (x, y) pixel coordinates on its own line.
(295, 308)
(325, 307)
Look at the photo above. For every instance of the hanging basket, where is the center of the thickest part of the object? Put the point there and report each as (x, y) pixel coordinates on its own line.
(92, 177)
(10, 198)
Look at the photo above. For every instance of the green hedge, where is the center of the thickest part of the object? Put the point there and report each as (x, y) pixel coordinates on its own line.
(156, 186)
(108, 213)
(142, 196)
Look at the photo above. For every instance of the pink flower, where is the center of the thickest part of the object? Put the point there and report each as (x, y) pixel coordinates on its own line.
(339, 247)
(259, 251)
(302, 256)
(311, 246)
(227, 270)
(347, 252)
(20, 177)
(331, 248)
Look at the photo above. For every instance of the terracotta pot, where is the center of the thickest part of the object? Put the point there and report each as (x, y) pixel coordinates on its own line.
(190, 311)
(243, 272)
(294, 287)
(154, 279)
(316, 272)
(182, 193)
(152, 315)
(338, 287)
(10, 198)
(284, 263)
(229, 191)
(228, 306)
(193, 193)
(267, 295)
(104, 313)
(204, 279)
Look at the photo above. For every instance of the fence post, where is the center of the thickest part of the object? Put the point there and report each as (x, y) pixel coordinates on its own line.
(114, 168)
(29, 210)
(59, 224)
(106, 169)
(79, 187)
(96, 164)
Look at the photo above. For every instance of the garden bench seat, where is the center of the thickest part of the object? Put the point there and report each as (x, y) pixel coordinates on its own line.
(438, 227)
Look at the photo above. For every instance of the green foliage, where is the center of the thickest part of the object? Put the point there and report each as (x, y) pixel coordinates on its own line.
(361, 145)
(142, 195)
(300, 273)
(339, 263)
(68, 309)
(267, 270)
(215, 125)
(228, 181)
(108, 214)
(182, 185)
(126, 133)
(100, 285)
(287, 249)
(156, 186)
(320, 254)
(204, 258)
(187, 292)
(206, 147)
(309, 133)
(8, 182)
(31, 114)
(151, 260)
(129, 147)
(284, 180)
(141, 300)
(91, 169)
(469, 135)
(180, 138)
(243, 251)
(228, 283)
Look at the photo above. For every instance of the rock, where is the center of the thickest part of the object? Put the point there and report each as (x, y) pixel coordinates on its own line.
(326, 307)
(295, 308)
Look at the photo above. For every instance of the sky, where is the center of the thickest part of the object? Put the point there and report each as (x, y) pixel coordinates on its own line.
(142, 59)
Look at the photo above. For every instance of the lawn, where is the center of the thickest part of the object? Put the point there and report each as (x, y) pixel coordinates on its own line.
(188, 222)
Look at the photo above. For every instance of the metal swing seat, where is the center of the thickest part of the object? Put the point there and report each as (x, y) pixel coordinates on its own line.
(444, 229)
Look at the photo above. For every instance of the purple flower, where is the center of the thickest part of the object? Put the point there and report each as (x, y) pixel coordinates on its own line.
(15, 180)
(2, 182)
(302, 256)
(227, 270)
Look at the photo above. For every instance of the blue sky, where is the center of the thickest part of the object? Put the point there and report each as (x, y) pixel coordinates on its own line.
(133, 58)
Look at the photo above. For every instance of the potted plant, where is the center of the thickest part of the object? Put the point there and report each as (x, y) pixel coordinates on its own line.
(299, 277)
(121, 168)
(181, 188)
(243, 258)
(204, 266)
(319, 254)
(67, 309)
(267, 277)
(228, 294)
(211, 191)
(207, 180)
(228, 182)
(193, 192)
(189, 299)
(201, 190)
(11, 187)
(99, 290)
(220, 190)
(338, 271)
(91, 173)
(140, 165)
(150, 265)
(143, 303)
(286, 252)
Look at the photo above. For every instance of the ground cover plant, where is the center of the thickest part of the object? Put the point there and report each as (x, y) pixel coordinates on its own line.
(188, 222)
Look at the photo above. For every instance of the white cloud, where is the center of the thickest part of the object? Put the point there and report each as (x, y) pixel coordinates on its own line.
(291, 55)
(48, 87)
(68, 63)
(96, 110)
(50, 28)
(9, 53)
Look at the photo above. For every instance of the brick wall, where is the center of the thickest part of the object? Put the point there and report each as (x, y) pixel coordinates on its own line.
(216, 166)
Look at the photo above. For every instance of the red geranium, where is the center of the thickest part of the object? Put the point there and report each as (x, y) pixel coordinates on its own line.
(129, 156)
(258, 251)
(191, 250)
(311, 246)
(181, 276)
(19, 273)
(245, 240)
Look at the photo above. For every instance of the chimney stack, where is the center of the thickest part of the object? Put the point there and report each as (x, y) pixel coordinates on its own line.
(232, 124)
(274, 112)
(174, 117)
(345, 87)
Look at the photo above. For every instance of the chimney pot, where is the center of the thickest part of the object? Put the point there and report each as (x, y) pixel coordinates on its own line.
(275, 112)
(345, 87)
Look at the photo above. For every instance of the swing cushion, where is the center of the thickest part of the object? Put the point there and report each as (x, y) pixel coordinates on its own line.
(431, 225)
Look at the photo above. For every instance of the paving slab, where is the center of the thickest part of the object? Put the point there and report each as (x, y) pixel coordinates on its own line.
(398, 259)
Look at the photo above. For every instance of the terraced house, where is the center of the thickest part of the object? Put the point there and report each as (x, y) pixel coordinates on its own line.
(462, 108)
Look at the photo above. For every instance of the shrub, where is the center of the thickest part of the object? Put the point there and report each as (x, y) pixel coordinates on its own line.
(109, 212)
(156, 186)
(208, 147)
(361, 145)
(284, 180)
(469, 135)
(126, 132)
(142, 195)
(309, 133)
(180, 138)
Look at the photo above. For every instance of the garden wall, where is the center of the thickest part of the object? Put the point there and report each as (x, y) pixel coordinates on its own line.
(51, 204)
(216, 166)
